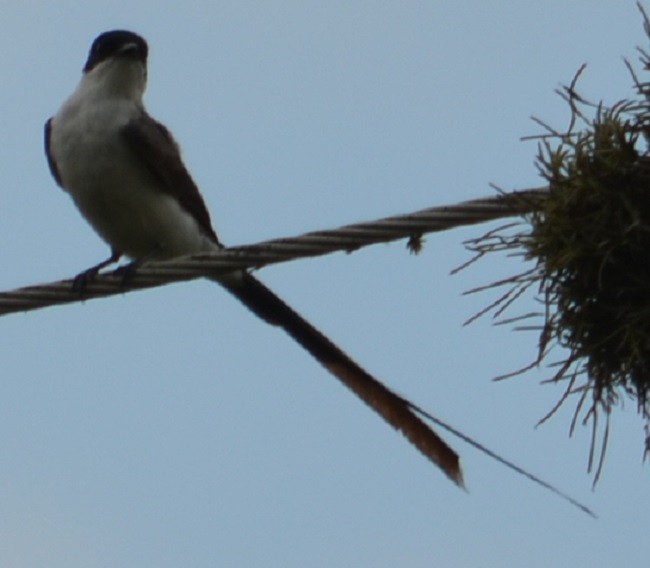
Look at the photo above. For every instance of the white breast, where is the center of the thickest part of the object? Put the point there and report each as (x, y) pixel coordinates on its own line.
(114, 191)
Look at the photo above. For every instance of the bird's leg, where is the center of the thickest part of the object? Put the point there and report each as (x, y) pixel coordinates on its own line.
(127, 271)
(81, 280)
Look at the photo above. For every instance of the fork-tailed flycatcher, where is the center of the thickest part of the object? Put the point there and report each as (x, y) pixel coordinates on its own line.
(124, 172)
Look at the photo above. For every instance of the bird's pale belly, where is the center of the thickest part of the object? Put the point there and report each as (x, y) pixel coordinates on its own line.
(124, 204)
(142, 222)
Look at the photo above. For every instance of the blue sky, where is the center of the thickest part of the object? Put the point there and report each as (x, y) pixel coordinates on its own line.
(170, 427)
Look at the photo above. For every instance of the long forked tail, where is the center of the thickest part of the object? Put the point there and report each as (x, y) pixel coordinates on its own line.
(396, 410)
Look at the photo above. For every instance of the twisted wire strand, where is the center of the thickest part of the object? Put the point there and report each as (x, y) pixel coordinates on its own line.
(347, 238)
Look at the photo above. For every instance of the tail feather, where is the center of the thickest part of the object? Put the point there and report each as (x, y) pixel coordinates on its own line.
(396, 410)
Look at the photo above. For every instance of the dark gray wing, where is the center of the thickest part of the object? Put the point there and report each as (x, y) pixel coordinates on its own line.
(155, 146)
(50, 159)
(159, 152)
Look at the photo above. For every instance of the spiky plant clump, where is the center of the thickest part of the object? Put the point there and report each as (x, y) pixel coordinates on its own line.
(592, 238)
(589, 240)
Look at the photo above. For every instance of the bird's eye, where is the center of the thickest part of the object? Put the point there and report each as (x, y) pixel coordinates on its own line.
(98, 47)
(114, 43)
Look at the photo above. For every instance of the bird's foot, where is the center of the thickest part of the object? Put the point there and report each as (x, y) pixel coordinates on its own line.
(126, 272)
(81, 280)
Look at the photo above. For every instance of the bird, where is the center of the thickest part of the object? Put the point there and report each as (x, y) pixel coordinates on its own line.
(124, 172)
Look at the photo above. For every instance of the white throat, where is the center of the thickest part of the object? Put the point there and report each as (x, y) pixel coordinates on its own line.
(114, 78)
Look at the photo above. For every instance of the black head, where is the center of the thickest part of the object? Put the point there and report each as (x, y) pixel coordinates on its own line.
(116, 43)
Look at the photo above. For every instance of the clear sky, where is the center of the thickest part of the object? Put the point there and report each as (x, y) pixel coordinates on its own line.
(171, 428)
